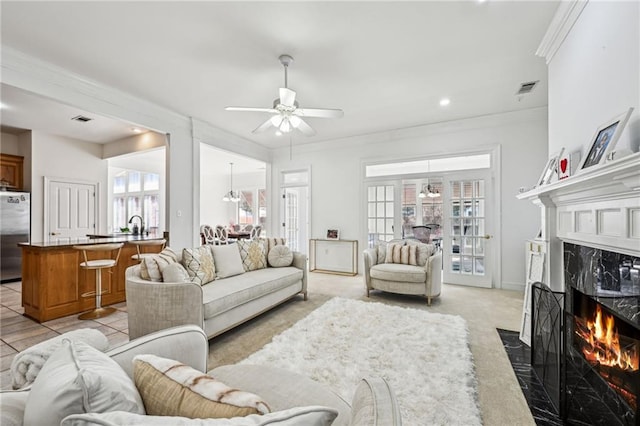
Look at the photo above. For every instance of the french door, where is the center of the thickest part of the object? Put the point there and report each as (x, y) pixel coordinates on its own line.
(294, 209)
(382, 211)
(468, 248)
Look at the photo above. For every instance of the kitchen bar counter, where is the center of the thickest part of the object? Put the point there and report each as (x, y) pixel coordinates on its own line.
(52, 280)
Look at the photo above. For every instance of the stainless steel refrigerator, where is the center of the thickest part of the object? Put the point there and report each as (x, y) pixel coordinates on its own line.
(15, 227)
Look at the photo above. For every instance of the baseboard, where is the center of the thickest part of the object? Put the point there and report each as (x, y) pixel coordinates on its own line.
(513, 286)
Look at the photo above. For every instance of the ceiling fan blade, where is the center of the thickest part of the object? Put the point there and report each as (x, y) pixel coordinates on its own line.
(287, 97)
(301, 125)
(264, 126)
(251, 109)
(319, 112)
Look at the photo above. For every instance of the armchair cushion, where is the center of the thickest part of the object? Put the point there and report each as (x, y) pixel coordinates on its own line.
(78, 378)
(170, 388)
(175, 273)
(399, 272)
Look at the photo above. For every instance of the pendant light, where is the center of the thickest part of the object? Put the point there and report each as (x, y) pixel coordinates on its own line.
(431, 193)
(231, 195)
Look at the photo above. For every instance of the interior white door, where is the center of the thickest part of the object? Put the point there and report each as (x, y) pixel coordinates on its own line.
(295, 188)
(72, 210)
(468, 245)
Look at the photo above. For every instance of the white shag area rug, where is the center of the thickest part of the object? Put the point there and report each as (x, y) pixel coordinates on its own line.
(424, 356)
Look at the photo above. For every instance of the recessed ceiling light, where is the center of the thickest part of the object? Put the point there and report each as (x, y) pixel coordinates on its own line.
(136, 130)
(444, 101)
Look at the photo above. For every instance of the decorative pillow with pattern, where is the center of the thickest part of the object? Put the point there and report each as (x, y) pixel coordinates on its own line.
(272, 242)
(199, 264)
(169, 388)
(280, 256)
(151, 266)
(253, 254)
(78, 378)
(402, 254)
(424, 252)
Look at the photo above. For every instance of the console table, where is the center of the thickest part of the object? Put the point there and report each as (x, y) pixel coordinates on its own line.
(333, 256)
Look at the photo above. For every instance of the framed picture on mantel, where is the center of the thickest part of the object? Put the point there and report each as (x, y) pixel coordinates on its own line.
(605, 140)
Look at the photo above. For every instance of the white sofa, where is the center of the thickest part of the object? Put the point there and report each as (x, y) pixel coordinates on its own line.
(423, 279)
(373, 403)
(216, 306)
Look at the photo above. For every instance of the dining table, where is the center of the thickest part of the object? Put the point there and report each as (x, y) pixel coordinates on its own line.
(239, 234)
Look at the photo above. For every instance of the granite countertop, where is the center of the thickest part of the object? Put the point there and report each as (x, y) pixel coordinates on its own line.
(93, 239)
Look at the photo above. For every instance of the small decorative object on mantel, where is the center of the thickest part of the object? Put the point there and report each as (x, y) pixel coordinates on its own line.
(333, 234)
(568, 164)
(605, 140)
(550, 169)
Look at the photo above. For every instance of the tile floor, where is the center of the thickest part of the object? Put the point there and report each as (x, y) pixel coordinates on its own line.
(18, 332)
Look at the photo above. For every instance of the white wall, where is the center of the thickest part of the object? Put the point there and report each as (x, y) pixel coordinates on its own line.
(9, 144)
(337, 176)
(60, 157)
(595, 75)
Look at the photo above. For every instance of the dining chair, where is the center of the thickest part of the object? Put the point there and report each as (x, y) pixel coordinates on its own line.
(222, 235)
(207, 234)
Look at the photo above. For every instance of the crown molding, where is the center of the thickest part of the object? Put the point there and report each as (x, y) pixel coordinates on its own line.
(566, 15)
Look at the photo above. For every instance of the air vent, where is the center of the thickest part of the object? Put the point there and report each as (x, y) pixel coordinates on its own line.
(526, 87)
(82, 118)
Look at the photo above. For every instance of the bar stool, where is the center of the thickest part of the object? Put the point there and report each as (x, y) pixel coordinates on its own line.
(147, 243)
(98, 265)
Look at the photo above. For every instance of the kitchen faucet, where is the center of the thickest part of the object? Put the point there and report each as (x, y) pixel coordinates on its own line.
(141, 224)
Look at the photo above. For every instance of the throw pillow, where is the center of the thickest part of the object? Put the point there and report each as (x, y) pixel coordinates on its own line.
(78, 378)
(298, 416)
(199, 264)
(169, 388)
(253, 254)
(151, 266)
(272, 242)
(397, 253)
(228, 261)
(424, 252)
(175, 273)
(280, 256)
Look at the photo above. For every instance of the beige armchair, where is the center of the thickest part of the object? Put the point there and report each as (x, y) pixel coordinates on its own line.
(423, 279)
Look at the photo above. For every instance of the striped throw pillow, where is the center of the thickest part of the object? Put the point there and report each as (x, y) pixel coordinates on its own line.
(402, 254)
(151, 267)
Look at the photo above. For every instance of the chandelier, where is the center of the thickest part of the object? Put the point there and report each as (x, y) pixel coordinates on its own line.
(232, 195)
(431, 192)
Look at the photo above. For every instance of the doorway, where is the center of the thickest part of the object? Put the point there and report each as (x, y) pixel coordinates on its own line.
(294, 209)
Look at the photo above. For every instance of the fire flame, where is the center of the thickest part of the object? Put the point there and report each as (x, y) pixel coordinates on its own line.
(605, 345)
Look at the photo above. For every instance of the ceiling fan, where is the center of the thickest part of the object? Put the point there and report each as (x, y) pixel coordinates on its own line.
(287, 115)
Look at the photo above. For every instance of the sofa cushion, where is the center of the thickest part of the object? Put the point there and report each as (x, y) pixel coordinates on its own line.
(399, 272)
(253, 254)
(228, 260)
(425, 251)
(170, 388)
(224, 295)
(297, 416)
(199, 264)
(175, 273)
(399, 253)
(280, 256)
(272, 242)
(78, 378)
(151, 266)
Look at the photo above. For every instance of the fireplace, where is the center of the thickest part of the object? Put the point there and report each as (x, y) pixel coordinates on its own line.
(601, 337)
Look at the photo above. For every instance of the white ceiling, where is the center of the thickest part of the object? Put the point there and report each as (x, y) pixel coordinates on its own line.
(386, 64)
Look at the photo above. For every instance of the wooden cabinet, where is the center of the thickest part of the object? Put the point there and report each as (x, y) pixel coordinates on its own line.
(53, 282)
(333, 256)
(11, 171)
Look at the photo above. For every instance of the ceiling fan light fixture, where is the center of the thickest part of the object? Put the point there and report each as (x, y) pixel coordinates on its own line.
(276, 120)
(422, 194)
(285, 126)
(295, 121)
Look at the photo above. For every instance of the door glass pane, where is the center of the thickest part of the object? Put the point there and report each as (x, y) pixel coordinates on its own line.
(380, 193)
(479, 246)
(479, 266)
(467, 227)
(372, 210)
(455, 264)
(467, 246)
(467, 265)
(455, 190)
(479, 208)
(371, 193)
(380, 213)
(455, 226)
(389, 191)
(479, 188)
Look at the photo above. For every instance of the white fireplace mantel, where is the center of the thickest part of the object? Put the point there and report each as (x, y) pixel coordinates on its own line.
(598, 207)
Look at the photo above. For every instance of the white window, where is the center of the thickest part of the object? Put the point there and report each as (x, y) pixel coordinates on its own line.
(136, 193)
